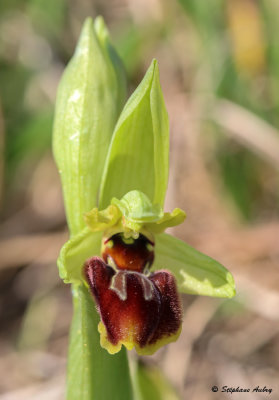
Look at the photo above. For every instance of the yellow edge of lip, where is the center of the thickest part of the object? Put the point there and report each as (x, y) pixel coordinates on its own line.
(147, 350)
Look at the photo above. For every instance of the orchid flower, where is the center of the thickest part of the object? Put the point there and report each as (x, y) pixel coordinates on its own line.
(138, 308)
(114, 166)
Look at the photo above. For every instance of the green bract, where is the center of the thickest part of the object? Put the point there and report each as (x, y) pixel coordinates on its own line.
(90, 97)
(114, 171)
(138, 156)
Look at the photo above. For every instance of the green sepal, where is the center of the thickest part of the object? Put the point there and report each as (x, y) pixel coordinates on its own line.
(90, 97)
(195, 272)
(138, 156)
(75, 252)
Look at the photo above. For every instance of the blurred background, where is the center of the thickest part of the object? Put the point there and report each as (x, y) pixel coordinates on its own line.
(219, 68)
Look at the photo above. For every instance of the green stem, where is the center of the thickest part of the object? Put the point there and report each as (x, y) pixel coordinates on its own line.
(93, 374)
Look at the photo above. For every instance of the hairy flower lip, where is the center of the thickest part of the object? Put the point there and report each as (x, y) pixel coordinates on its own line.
(136, 310)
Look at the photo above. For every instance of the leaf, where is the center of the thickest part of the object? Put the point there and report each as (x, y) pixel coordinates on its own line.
(92, 372)
(75, 252)
(138, 155)
(195, 272)
(89, 100)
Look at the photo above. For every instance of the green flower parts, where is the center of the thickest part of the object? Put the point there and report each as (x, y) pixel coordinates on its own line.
(114, 165)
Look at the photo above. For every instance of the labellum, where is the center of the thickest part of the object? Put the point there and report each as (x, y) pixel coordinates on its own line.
(137, 308)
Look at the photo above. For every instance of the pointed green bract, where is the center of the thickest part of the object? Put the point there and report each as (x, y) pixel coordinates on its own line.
(195, 272)
(75, 252)
(90, 97)
(138, 155)
(112, 57)
(92, 372)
